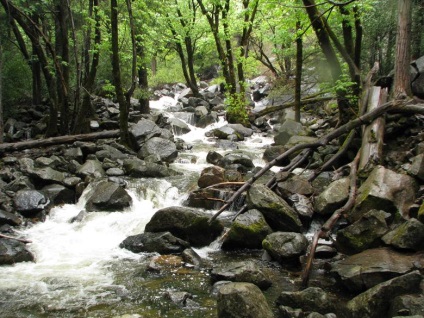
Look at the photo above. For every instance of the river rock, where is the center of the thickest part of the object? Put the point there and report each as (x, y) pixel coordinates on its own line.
(247, 231)
(333, 197)
(19, 183)
(210, 176)
(58, 194)
(179, 127)
(417, 74)
(285, 246)
(227, 132)
(108, 197)
(242, 300)
(138, 168)
(12, 251)
(309, 299)
(185, 223)
(111, 153)
(238, 160)
(371, 267)
(29, 202)
(91, 168)
(375, 302)
(278, 214)
(239, 128)
(161, 242)
(74, 153)
(164, 148)
(272, 152)
(9, 218)
(385, 190)
(288, 129)
(143, 131)
(207, 120)
(417, 167)
(364, 233)
(409, 305)
(213, 157)
(295, 185)
(409, 235)
(246, 271)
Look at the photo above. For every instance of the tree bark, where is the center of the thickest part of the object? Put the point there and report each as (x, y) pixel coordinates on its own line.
(1, 94)
(402, 87)
(299, 64)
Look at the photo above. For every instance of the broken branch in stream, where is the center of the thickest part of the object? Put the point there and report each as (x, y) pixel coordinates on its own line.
(328, 225)
(324, 140)
(15, 238)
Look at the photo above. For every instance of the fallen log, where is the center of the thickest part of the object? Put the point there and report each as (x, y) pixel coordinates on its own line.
(29, 144)
(15, 238)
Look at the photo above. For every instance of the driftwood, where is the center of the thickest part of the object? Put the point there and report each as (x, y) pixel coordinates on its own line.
(14, 238)
(324, 140)
(372, 139)
(303, 102)
(328, 225)
(28, 144)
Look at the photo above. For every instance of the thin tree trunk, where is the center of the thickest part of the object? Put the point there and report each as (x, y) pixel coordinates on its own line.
(402, 87)
(1, 94)
(299, 64)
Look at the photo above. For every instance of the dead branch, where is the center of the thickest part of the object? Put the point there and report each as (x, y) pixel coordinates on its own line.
(324, 140)
(14, 238)
(328, 225)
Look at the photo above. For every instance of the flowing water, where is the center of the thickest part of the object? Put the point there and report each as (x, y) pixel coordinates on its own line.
(80, 271)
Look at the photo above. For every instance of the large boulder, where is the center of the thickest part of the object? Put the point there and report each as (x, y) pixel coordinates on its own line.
(227, 132)
(285, 246)
(161, 242)
(411, 305)
(364, 233)
(246, 271)
(279, 215)
(238, 160)
(309, 299)
(164, 148)
(29, 202)
(242, 300)
(111, 153)
(12, 251)
(385, 190)
(108, 197)
(376, 301)
(210, 176)
(417, 166)
(371, 267)
(138, 168)
(47, 175)
(179, 127)
(143, 131)
(409, 235)
(247, 231)
(59, 194)
(417, 76)
(188, 224)
(288, 129)
(91, 168)
(333, 197)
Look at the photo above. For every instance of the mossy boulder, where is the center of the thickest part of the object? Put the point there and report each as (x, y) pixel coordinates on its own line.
(277, 212)
(188, 224)
(285, 246)
(364, 233)
(247, 231)
(333, 197)
(409, 235)
(309, 299)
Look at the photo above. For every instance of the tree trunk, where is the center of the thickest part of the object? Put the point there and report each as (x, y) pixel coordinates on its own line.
(298, 79)
(1, 94)
(402, 87)
(417, 34)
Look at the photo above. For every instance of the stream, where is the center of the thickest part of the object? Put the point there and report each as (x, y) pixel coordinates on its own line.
(80, 271)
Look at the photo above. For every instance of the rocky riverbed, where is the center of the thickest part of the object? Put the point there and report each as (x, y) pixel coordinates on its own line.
(371, 265)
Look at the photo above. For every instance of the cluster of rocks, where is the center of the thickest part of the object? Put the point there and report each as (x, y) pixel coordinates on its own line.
(382, 239)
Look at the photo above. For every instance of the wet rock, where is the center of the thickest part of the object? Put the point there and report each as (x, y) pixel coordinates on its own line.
(417, 167)
(247, 271)
(371, 267)
(295, 185)
(91, 168)
(9, 218)
(278, 214)
(240, 129)
(198, 199)
(333, 197)
(29, 202)
(108, 196)
(12, 251)
(188, 224)
(247, 231)
(181, 298)
(288, 129)
(273, 152)
(58, 194)
(408, 305)
(213, 157)
(143, 131)
(161, 242)
(309, 299)
(285, 246)
(226, 132)
(375, 302)
(164, 148)
(385, 190)
(165, 263)
(138, 168)
(191, 258)
(207, 120)
(210, 176)
(364, 233)
(179, 127)
(242, 300)
(409, 235)
(237, 159)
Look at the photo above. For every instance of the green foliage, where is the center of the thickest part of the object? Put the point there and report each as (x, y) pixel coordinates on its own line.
(108, 89)
(236, 109)
(167, 72)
